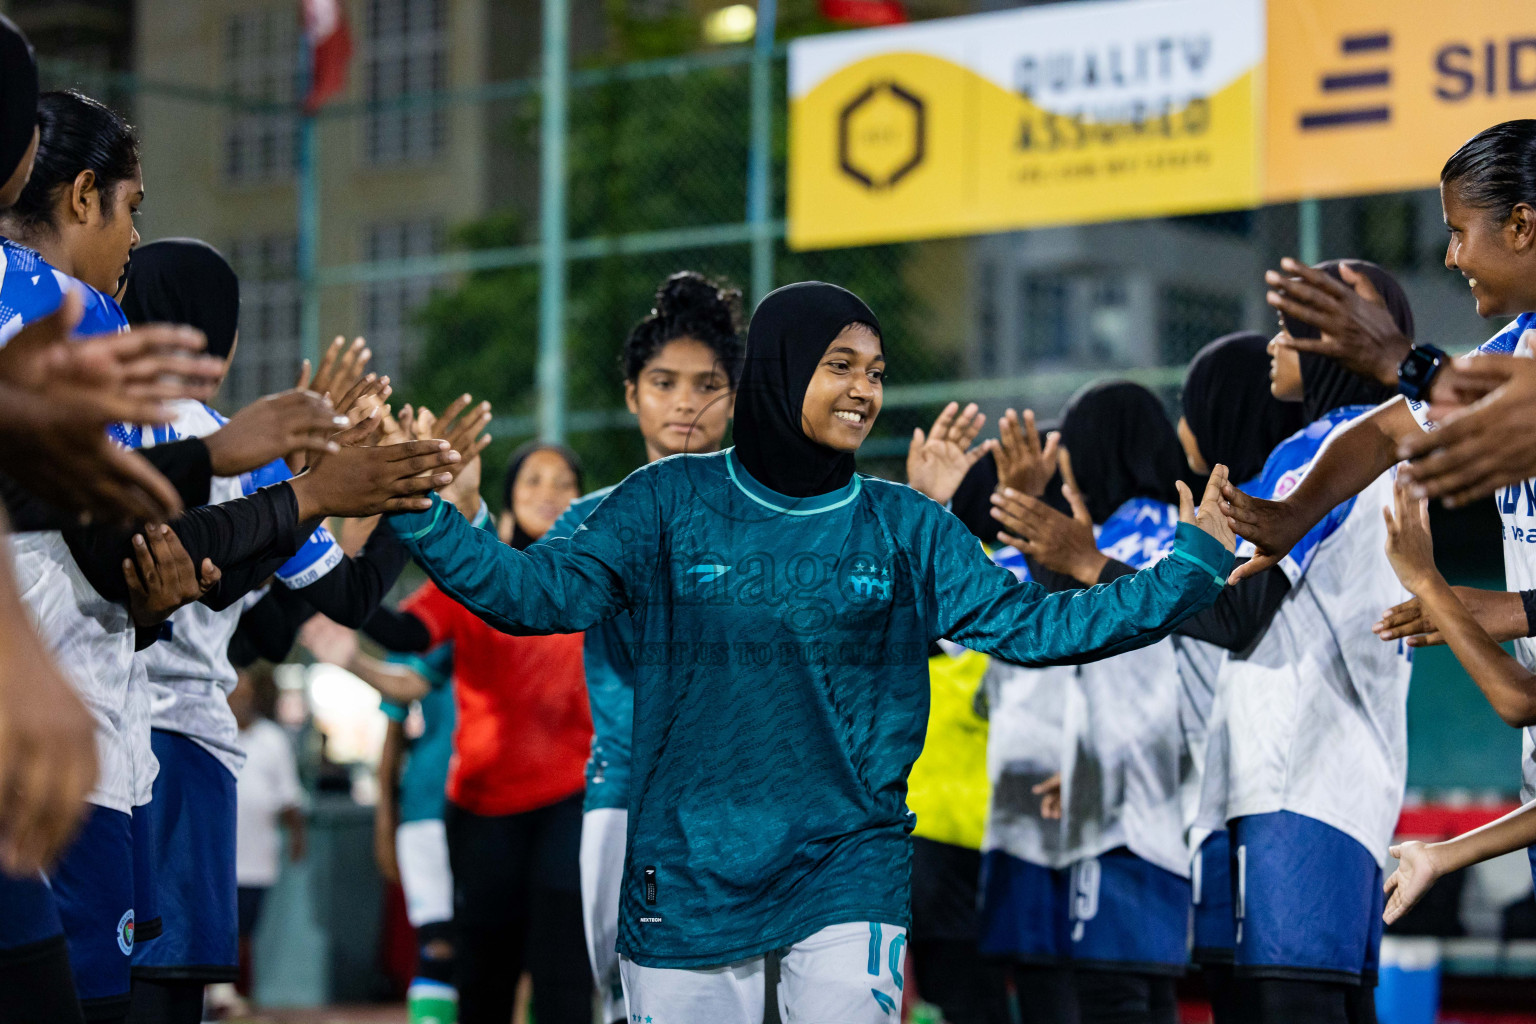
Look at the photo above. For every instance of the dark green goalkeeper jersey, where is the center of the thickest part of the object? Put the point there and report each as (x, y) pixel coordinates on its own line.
(781, 681)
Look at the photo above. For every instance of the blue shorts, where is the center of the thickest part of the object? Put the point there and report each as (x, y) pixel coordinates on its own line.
(1023, 910)
(1215, 927)
(28, 913)
(1127, 914)
(194, 819)
(93, 888)
(1308, 903)
(147, 923)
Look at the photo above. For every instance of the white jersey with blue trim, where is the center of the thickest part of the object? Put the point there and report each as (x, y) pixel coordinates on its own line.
(91, 638)
(1025, 716)
(1314, 719)
(1125, 766)
(188, 666)
(1517, 514)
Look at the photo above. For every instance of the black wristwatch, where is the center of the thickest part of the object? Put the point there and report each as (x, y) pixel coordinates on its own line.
(1418, 370)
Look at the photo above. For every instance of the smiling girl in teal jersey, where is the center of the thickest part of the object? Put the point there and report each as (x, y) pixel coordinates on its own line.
(783, 607)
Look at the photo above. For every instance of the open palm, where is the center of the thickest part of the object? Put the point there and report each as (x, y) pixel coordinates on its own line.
(938, 461)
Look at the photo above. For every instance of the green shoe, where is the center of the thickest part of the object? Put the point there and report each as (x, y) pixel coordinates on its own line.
(431, 1002)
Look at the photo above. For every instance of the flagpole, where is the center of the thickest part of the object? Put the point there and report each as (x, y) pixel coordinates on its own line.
(759, 178)
(308, 240)
(552, 221)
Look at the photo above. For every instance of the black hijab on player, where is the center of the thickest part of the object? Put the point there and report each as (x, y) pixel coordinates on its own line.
(1227, 403)
(18, 97)
(789, 333)
(1122, 447)
(185, 281)
(520, 539)
(1325, 384)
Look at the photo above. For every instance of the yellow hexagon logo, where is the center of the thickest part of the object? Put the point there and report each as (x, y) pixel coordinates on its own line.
(880, 135)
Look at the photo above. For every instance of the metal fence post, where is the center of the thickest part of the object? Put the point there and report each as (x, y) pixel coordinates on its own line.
(552, 226)
(759, 162)
(1309, 231)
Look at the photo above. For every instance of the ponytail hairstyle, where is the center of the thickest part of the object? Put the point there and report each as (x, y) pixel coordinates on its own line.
(76, 133)
(689, 305)
(1495, 170)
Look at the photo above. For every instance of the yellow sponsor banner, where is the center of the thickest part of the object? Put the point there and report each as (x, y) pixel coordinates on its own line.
(1025, 118)
(1374, 95)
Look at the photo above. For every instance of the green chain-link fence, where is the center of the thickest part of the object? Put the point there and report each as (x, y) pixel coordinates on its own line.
(428, 223)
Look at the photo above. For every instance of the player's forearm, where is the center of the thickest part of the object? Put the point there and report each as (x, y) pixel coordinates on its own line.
(1353, 458)
(1509, 687)
(1501, 613)
(1515, 831)
(394, 682)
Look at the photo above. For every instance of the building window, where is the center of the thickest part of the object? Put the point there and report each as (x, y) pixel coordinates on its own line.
(389, 307)
(1188, 318)
(260, 64)
(268, 357)
(405, 53)
(1045, 320)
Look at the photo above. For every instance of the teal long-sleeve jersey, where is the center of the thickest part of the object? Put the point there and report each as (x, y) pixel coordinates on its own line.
(781, 678)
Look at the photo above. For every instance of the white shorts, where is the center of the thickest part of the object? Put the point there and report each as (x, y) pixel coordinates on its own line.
(421, 848)
(844, 974)
(602, 876)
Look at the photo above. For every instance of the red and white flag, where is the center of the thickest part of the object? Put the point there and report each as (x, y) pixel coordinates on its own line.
(330, 50)
(864, 12)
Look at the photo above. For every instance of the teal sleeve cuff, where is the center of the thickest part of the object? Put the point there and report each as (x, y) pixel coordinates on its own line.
(409, 526)
(394, 712)
(1195, 545)
(482, 520)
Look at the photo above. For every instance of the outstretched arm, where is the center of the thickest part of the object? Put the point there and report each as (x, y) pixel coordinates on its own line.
(1508, 685)
(1346, 465)
(559, 586)
(984, 607)
(1504, 614)
(1421, 865)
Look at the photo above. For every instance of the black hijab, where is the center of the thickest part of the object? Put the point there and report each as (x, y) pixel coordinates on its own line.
(1122, 447)
(789, 333)
(520, 538)
(1325, 384)
(185, 281)
(1230, 411)
(18, 97)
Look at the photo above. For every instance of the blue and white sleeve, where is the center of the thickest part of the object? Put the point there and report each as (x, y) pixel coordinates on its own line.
(320, 553)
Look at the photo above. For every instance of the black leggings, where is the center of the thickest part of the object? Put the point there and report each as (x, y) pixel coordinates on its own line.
(517, 906)
(166, 1002)
(1045, 994)
(38, 984)
(1262, 1000)
(1109, 997)
(953, 976)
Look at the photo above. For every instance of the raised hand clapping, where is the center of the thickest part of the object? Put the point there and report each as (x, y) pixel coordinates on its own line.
(939, 460)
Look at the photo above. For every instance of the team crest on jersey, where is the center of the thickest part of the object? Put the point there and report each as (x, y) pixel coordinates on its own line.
(870, 581)
(125, 933)
(1287, 482)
